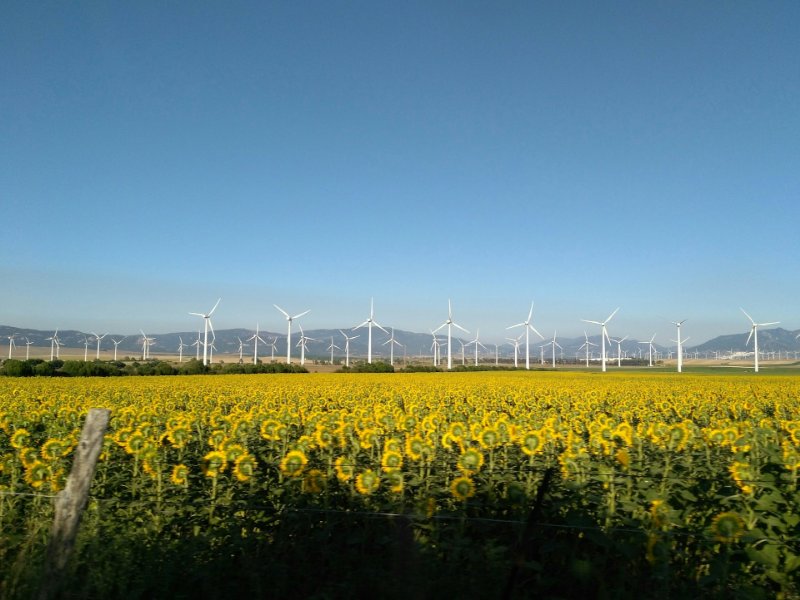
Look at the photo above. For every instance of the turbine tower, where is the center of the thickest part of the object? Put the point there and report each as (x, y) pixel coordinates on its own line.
(116, 343)
(754, 334)
(650, 349)
(554, 343)
(289, 320)
(181, 346)
(255, 339)
(477, 343)
(303, 343)
(586, 345)
(347, 347)
(27, 348)
(369, 323)
(11, 343)
(53, 343)
(332, 347)
(391, 341)
(207, 321)
(449, 323)
(618, 342)
(98, 338)
(516, 343)
(528, 328)
(603, 335)
(680, 342)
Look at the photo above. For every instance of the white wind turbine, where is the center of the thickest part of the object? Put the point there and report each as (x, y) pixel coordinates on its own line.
(392, 342)
(85, 348)
(435, 347)
(586, 345)
(27, 348)
(463, 352)
(449, 323)
(98, 338)
(289, 320)
(273, 347)
(603, 335)
(754, 334)
(477, 343)
(618, 342)
(53, 342)
(369, 323)
(11, 343)
(241, 349)
(516, 342)
(207, 321)
(554, 343)
(197, 344)
(332, 347)
(650, 349)
(528, 328)
(680, 342)
(181, 346)
(303, 343)
(146, 341)
(255, 338)
(116, 343)
(347, 347)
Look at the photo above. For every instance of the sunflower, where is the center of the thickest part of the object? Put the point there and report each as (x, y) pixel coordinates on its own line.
(134, 442)
(314, 481)
(244, 466)
(531, 442)
(367, 482)
(344, 469)
(623, 458)
(180, 475)
(20, 438)
(37, 474)
(217, 438)
(293, 463)
(270, 430)
(391, 461)
(462, 488)
(324, 437)
(214, 463)
(53, 449)
(470, 461)
(28, 457)
(395, 480)
(233, 451)
(488, 438)
(179, 435)
(741, 474)
(727, 527)
(415, 446)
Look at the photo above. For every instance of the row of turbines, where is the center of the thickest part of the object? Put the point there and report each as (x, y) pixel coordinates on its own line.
(369, 322)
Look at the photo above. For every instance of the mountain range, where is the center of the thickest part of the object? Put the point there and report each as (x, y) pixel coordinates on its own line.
(227, 341)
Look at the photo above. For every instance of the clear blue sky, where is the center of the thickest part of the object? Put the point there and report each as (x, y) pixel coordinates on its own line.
(585, 155)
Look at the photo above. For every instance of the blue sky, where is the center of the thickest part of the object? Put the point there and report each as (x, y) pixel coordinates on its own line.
(583, 155)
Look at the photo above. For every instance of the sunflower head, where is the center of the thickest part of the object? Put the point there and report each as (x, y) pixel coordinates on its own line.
(367, 482)
(314, 481)
(214, 463)
(180, 475)
(470, 461)
(344, 468)
(244, 466)
(727, 527)
(462, 488)
(391, 461)
(294, 463)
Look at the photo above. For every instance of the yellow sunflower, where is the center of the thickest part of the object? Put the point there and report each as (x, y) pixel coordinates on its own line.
(214, 463)
(344, 468)
(244, 466)
(180, 475)
(462, 488)
(294, 463)
(727, 527)
(367, 482)
(470, 461)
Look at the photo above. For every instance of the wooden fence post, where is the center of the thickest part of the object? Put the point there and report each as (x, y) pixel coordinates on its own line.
(71, 501)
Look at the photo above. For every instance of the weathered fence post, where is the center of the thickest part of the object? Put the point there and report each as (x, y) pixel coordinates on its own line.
(71, 501)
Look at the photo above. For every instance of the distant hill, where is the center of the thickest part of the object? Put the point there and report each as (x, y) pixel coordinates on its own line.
(413, 344)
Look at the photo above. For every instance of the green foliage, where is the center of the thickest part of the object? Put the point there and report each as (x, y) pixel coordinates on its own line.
(365, 367)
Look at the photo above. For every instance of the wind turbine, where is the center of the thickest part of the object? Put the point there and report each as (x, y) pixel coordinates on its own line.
(603, 335)
(98, 338)
(303, 343)
(528, 328)
(207, 321)
(391, 341)
(27, 348)
(273, 346)
(463, 353)
(196, 344)
(369, 323)
(754, 335)
(11, 343)
(289, 320)
(477, 343)
(255, 339)
(650, 349)
(146, 341)
(554, 343)
(85, 348)
(679, 341)
(347, 347)
(586, 345)
(116, 343)
(449, 323)
(181, 346)
(53, 342)
(331, 348)
(241, 349)
(618, 342)
(435, 347)
(516, 343)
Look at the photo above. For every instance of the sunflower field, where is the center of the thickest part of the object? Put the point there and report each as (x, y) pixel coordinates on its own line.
(490, 485)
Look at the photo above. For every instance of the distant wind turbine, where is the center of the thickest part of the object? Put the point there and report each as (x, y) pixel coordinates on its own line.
(618, 342)
(53, 343)
(650, 349)
(554, 343)
(98, 338)
(754, 334)
(303, 343)
(116, 343)
(241, 349)
(449, 323)
(391, 341)
(347, 347)
(369, 323)
(289, 320)
(27, 348)
(516, 343)
(11, 343)
(680, 342)
(181, 346)
(85, 348)
(477, 343)
(207, 321)
(586, 345)
(255, 338)
(528, 328)
(332, 347)
(603, 335)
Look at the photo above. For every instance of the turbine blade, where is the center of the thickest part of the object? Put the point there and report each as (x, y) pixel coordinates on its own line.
(611, 316)
(280, 309)
(588, 321)
(746, 315)
(765, 324)
(211, 312)
(460, 327)
(301, 314)
(535, 331)
(752, 329)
